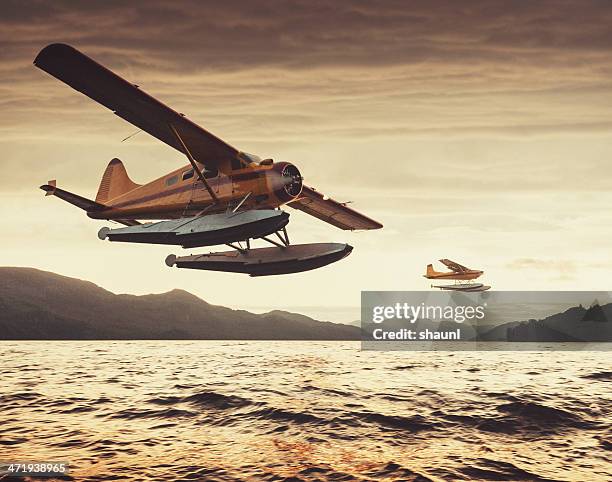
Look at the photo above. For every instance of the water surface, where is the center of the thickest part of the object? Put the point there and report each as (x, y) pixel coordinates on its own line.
(310, 411)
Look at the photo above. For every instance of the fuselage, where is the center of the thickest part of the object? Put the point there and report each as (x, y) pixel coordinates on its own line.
(181, 193)
(465, 275)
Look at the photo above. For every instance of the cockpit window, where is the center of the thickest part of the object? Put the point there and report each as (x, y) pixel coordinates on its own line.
(207, 174)
(236, 164)
(248, 158)
(172, 180)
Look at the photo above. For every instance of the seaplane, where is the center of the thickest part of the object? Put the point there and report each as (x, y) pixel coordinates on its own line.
(224, 196)
(462, 276)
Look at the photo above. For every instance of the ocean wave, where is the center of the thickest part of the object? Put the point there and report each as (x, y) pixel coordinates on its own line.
(198, 414)
(19, 397)
(521, 417)
(330, 391)
(413, 423)
(13, 441)
(539, 416)
(599, 376)
(282, 415)
(397, 471)
(218, 400)
(171, 400)
(495, 470)
(134, 413)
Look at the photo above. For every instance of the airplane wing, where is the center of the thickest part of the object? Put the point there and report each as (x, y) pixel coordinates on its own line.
(456, 267)
(134, 105)
(332, 212)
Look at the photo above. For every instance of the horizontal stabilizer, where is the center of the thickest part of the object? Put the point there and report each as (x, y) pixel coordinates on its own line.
(79, 201)
(86, 204)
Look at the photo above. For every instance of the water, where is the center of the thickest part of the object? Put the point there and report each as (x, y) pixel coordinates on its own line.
(272, 411)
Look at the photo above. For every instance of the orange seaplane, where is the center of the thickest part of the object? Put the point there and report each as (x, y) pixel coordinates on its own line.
(459, 273)
(222, 197)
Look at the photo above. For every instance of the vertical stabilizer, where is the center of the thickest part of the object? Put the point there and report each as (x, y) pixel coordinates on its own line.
(430, 270)
(115, 182)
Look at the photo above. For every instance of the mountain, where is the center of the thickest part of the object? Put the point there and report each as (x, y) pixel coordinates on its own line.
(39, 305)
(574, 324)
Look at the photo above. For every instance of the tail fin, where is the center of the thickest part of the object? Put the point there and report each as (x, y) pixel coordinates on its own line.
(430, 270)
(115, 182)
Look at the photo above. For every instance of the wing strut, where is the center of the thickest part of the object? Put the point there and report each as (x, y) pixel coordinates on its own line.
(194, 164)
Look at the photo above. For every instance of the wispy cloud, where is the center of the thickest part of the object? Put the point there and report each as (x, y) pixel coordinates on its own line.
(559, 269)
(302, 71)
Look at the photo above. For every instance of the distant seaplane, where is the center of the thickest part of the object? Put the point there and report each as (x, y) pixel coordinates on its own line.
(459, 273)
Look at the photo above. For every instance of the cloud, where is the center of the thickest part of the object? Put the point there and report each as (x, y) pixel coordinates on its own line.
(297, 71)
(559, 268)
(307, 33)
(477, 129)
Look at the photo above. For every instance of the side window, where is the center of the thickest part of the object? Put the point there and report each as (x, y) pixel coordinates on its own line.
(190, 174)
(172, 180)
(211, 174)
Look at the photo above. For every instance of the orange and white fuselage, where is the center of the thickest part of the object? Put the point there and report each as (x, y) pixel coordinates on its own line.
(467, 274)
(180, 193)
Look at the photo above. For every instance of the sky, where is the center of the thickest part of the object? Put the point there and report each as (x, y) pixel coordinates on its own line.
(479, 131)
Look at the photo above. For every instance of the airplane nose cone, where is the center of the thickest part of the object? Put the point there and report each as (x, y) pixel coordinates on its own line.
(286, 181)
